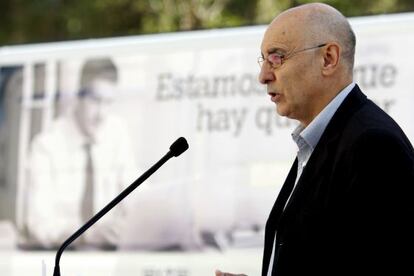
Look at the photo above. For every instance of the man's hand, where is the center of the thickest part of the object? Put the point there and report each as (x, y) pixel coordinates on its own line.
(220, 273)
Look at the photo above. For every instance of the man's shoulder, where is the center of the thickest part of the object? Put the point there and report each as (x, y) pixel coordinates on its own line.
(360, 118)
(370, 125)
(371, 117)
(56, 133)
(360, 114)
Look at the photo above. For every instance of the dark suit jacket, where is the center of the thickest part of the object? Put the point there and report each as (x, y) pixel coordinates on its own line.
(352, 209)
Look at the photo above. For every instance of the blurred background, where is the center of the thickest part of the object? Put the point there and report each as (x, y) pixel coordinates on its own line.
(164, 69)
(28, 21)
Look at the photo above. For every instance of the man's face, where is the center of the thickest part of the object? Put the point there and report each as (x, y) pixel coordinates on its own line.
(292, 86)
(93, 107)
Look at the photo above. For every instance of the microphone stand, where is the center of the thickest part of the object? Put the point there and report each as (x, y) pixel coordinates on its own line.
(111, 204)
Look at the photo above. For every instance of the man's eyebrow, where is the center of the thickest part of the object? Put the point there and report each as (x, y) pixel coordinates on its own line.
(274, 50)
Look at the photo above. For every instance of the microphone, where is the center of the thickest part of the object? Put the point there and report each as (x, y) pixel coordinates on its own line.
(177, 148)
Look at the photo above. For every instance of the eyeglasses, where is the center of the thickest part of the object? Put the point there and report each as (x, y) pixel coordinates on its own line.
(276, 60)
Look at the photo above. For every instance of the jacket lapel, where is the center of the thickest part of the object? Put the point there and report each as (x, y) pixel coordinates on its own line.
(276, 214)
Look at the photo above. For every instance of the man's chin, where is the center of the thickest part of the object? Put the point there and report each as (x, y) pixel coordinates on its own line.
(281, 111)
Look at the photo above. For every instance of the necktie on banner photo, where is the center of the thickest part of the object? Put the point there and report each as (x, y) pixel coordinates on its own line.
(87, 200)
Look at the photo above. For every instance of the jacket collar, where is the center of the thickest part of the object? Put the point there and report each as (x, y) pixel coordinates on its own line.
(326, 145)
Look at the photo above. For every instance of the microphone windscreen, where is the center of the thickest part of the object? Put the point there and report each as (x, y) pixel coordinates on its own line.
(179, 146)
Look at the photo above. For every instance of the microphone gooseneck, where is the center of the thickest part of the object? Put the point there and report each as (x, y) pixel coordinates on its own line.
(177, 148)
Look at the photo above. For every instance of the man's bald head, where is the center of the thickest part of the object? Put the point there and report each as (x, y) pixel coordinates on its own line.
(318, 23)
(308, 54)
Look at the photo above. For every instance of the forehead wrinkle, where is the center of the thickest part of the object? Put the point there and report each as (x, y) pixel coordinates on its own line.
(283, 33)
(274, 42)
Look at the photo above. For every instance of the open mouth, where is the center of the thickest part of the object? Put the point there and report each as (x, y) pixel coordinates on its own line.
(274, 96)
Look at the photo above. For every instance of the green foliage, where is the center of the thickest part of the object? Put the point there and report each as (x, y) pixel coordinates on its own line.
(29, 21)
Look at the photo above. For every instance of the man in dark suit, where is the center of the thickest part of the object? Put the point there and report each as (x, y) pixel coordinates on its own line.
(347, 203)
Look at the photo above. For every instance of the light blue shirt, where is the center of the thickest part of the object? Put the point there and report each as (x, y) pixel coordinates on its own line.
(307, 138)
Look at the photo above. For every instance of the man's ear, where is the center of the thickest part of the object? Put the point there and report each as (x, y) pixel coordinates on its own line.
(331, 55)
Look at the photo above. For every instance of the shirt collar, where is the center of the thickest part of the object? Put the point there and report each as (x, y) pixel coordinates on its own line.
(313, 132)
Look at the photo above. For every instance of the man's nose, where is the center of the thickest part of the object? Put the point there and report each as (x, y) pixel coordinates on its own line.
(266, 74)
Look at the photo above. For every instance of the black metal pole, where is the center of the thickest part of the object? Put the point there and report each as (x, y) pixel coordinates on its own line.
(108, 207)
